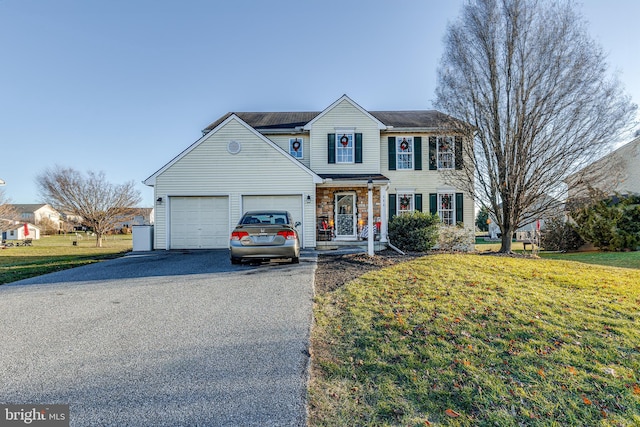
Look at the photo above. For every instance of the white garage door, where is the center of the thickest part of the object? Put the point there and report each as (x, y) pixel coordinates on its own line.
(293, 204)
(199, 222)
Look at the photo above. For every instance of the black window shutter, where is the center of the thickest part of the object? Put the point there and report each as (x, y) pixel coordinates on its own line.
(433, 154)
(331, 148)
(358, 154)
(458, 153)
(417, 153)
(417, 201)
(392, 205)
(392, 153)
(459, 208)
(433, 203)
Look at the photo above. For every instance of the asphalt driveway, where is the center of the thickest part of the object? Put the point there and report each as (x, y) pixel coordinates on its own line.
(161, 338)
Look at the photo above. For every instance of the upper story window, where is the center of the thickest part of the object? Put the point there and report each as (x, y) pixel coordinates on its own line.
(446, 147)
(344, 148)
(445, 152)
(296, 147)
(404, 152)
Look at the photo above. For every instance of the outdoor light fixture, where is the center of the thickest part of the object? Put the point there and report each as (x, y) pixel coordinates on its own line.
(159, 200)
(370, 184)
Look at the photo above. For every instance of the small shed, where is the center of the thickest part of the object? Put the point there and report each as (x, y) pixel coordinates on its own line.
(21, 231)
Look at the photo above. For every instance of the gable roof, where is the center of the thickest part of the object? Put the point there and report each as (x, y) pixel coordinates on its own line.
(350, 101)
(416, 119)
(29, 207)
(152, 179)
(269, 120)
(296, 121)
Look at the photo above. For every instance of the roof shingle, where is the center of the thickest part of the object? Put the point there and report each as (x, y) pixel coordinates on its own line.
(292, 120)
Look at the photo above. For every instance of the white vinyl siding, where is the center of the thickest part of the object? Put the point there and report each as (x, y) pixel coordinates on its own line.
(210, 170)
(424, 181)
(284, 141)
(345, 116)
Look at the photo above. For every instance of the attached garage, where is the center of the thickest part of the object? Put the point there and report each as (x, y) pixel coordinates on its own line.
(199, 222)
(202, 193)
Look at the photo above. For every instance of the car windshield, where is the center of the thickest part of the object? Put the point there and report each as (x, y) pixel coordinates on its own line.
(267, 218)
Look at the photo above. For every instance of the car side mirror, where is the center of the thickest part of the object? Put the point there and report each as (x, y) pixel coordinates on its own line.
(297, 224)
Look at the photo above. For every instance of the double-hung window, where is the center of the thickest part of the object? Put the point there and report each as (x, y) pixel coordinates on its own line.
(446, 208)
(296, 147)
(446, 150)
(344, 147)
(406, 203)
(404, 152)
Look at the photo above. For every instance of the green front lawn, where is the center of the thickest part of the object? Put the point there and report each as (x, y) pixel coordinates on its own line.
(613, 259)
(472, 340)
(53, 253)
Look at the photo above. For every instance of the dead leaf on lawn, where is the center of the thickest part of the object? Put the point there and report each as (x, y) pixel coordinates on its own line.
(586, 400)
(572, 370)
(451, 413)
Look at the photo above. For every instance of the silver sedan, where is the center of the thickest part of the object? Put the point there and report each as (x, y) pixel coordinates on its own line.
(265, 235)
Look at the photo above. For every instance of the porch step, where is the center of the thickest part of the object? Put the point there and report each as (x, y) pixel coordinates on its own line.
(355, 244)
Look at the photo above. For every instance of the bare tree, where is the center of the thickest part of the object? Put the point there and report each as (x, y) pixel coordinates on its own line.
(535, 86)
(8, 214)
(100, 203)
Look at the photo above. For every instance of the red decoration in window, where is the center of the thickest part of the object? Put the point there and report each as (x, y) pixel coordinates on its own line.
(296, 145)
(344, 140)
(404, 145)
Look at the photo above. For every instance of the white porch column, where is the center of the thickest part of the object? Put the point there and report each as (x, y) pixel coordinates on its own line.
(370, 233)
(384, 212)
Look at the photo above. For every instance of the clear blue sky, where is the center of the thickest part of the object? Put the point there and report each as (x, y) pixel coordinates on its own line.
(122, 86)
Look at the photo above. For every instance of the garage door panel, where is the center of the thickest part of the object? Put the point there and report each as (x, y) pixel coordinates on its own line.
(293, 204)
(199, 222)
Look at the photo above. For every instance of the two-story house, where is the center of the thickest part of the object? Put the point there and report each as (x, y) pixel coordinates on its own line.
(40, 214)
(318, 166)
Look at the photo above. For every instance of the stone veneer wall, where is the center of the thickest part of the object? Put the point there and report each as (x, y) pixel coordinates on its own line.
(325, 200)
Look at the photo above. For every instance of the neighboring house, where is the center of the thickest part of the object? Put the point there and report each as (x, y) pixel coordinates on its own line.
(18, 231)
(318, 166)
(617, 172)
(139, 216)
(35, 213)
(72, 222)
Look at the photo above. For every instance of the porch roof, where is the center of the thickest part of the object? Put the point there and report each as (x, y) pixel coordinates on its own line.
(352, 178)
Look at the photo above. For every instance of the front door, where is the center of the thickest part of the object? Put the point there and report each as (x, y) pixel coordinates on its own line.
(346, 216)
